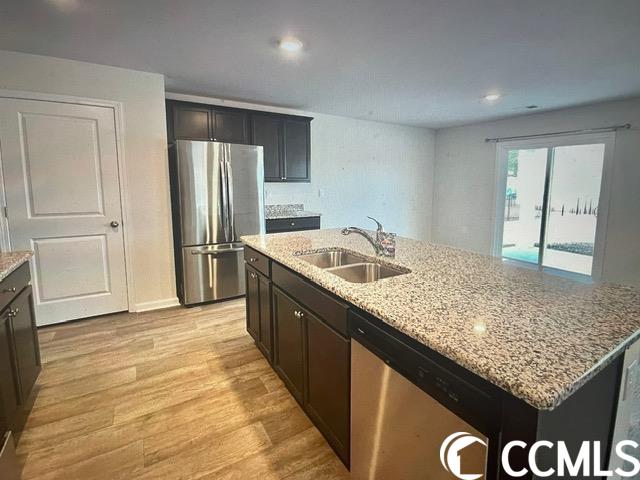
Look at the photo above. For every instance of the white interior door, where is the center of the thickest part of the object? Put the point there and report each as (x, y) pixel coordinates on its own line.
(60, 170)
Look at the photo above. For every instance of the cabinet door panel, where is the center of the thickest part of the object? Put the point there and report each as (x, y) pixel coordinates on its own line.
(289, 355)
(229, 126)
(9, 388)
(267, 131)
(296, 149)
(253, 304)
(25, 336)
(327, 400)
(191, 122)
(265, 317)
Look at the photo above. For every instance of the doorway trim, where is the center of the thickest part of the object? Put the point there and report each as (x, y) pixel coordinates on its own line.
(125, 207)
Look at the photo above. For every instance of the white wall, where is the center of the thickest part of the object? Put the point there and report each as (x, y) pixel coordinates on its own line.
(145, 152)
(464, 182)
(360, 168)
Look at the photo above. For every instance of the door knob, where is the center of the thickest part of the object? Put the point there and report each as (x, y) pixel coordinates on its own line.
(114, 223)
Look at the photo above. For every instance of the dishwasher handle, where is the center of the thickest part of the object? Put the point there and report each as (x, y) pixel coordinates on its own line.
(370, 337)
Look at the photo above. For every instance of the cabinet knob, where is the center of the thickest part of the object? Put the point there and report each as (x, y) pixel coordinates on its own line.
(114, 224)
(253, 259)
(9, 290)
(293, 224)
(253, 275)
(298, 314)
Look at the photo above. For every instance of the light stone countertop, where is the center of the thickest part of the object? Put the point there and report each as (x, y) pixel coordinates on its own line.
(9, 261)
(293, 210)
(540, 337)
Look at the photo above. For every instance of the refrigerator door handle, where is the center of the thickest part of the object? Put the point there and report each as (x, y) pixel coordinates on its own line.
(224, 187)
(216, 252)
(230, 218)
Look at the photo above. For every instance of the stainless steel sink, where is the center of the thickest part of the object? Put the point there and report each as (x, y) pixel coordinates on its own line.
(366, 272)
(331, 258)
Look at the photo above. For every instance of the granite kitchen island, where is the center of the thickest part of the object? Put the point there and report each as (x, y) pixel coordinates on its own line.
(543, 348)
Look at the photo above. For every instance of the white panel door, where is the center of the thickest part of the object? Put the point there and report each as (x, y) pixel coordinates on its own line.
(60, 169)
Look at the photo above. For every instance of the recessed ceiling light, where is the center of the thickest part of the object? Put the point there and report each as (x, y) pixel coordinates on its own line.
(492, 97)
(65, 5)
(290, 44)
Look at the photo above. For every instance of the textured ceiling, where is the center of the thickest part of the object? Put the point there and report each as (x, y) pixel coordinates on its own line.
(415, 62)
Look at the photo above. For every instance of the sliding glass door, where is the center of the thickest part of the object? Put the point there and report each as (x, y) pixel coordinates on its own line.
(524, 195)
(551, 202)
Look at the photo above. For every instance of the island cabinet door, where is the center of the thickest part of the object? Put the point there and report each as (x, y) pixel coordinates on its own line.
(266, 325)
(9, 387)
(289, 335)
(253, 303)
(328, 374)
(26, 345)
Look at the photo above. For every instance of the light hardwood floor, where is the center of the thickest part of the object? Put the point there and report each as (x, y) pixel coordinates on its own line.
(173, 394)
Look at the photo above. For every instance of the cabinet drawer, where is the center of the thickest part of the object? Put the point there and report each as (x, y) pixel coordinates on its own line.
(275, 225)
(257, 260)
(332, 311)
(13, 284)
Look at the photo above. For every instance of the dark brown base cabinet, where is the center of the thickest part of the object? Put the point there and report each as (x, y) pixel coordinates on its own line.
(312, 331)
(19, 351)
(293, 224)
(328, 379)
(259, 324)
(289, 319)
(311, 350)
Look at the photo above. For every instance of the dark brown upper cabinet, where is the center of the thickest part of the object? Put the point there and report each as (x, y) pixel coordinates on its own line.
(297, 147)
(192, 121)
(267, 131)
(231, 126)
(286, 139)
(287, 146)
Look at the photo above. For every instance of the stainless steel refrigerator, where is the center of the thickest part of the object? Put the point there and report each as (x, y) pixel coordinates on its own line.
(220, 196)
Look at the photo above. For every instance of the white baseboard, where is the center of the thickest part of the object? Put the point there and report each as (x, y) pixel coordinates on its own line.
(156, 304)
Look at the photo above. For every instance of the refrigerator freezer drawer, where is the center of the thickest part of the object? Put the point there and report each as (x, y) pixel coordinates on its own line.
(212, 272)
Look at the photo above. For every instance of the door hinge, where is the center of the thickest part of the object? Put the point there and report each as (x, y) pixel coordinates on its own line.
(5, 212)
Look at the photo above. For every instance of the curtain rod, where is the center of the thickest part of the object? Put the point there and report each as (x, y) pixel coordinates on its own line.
(612, 128)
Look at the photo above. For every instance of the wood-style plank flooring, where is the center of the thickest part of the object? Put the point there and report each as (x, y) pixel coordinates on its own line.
(172, 394)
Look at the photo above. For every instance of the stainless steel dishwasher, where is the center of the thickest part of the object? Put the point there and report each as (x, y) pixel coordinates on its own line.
(397, 429)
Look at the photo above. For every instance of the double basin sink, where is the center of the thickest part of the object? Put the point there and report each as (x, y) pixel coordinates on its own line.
(351, 267)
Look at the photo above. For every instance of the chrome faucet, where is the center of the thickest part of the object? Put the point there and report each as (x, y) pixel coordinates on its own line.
(384, 243)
